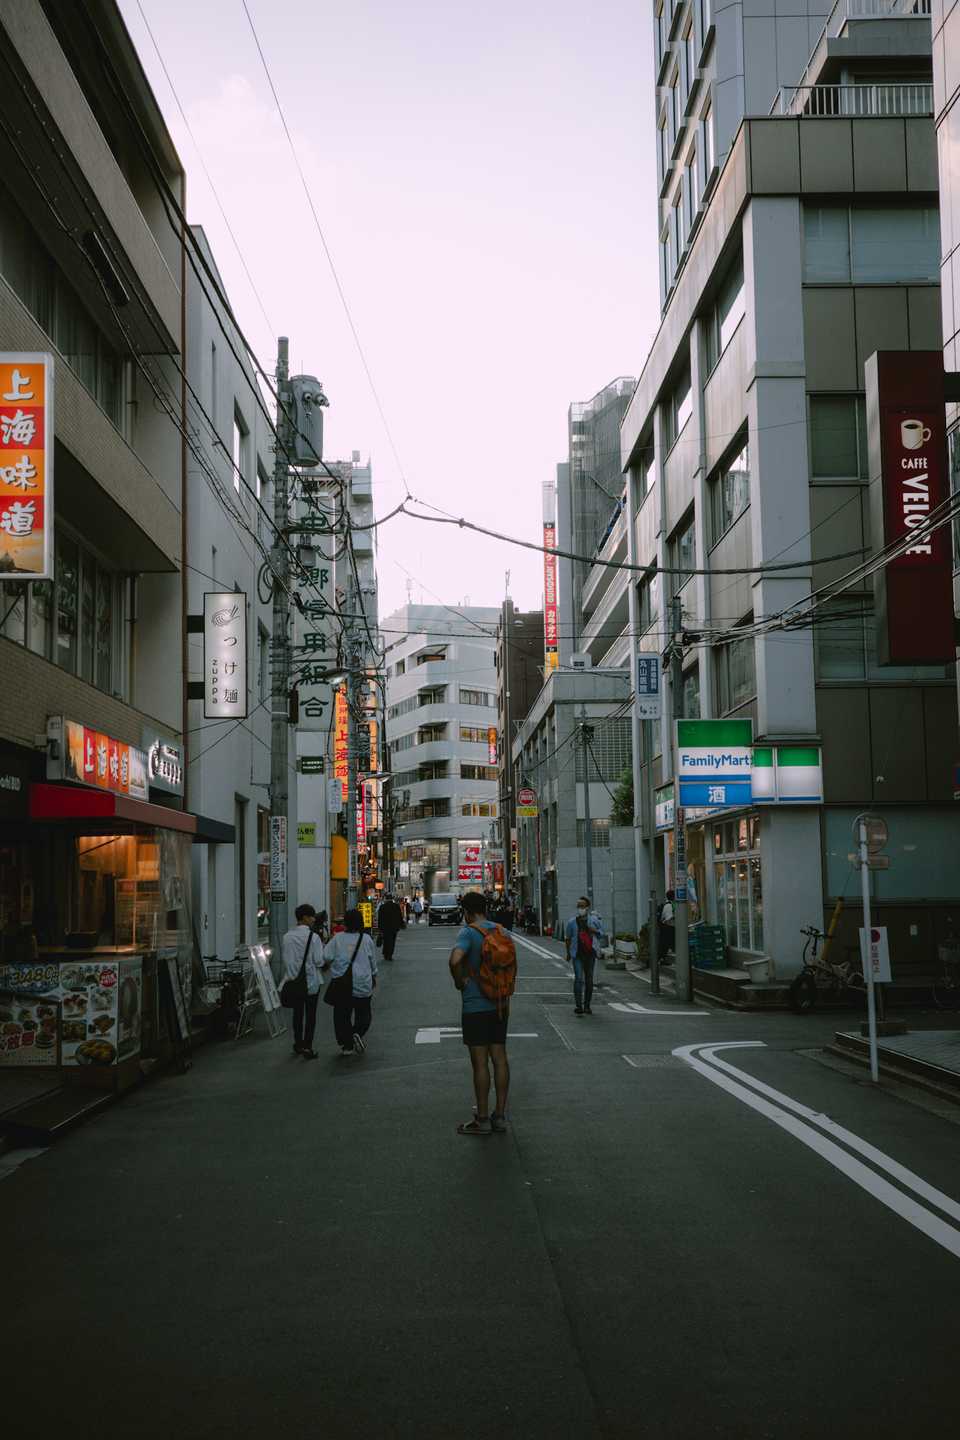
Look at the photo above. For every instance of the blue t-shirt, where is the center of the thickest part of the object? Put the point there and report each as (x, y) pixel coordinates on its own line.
(470, 941)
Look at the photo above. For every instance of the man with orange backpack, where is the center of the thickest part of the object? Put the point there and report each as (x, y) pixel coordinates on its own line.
(483, 964)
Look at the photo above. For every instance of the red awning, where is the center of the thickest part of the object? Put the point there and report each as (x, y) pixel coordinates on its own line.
(76, 802)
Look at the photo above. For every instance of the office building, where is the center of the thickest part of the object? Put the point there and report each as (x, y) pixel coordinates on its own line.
(520, 675)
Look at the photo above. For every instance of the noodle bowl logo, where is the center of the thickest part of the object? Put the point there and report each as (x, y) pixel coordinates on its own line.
(225, 616)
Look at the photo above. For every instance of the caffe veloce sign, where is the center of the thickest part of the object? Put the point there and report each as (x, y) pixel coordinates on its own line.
(909, 481)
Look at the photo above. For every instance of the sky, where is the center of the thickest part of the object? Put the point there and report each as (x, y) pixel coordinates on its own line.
(484, 177)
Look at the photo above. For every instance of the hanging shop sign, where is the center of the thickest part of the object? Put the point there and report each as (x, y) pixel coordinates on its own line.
(366, 910)
(306, 834)
(470, 861)
(341, 739)
(714, 761)
(491, 744)
(311, 764)
(278, 857)
(550, 622)
(647, 702)
(18, 766)
(906, 425)
(527, 808)
(86, 756)
(663, 807)
(334, 797)
(225, 655)
(361, 815)
(164, 764)
(26, 465)
(374, 746)
(787, 775)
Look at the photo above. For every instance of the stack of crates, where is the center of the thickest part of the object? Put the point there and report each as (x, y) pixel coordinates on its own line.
(707, 947)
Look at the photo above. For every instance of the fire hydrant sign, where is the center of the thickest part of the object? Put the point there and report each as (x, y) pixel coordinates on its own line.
(877, 954)
(714, 763)
(26, 466)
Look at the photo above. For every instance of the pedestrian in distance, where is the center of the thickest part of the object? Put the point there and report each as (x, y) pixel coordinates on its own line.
(300, 952)
(351, 959)
(583, 936)
(667, 927)
(417, 910)
(483, 964)
(389, 922)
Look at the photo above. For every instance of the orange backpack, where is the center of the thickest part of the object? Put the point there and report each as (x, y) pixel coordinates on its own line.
(497, 976)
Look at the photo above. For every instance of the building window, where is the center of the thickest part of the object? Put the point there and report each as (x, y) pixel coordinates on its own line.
(38, 283)
(400, 667)
(214, 381)
(599, 833)
(660, 33)
(666, 271)
(663, 146)
(730, 491)
(473, 734)
(434, 695)
(674, 107)
(691, 188)
(690, 701)
(870, 244)
(477, 697)
(647, 599)
(678, 221)
(846, 646)
(738, 882)
(736, 673)
(690, 59)
(241, 437)
(428, 734)
(727, 312)
(679, 406)
(838, 437)
(478, 772)
(479, 809)
(707, 143)
(683, 550)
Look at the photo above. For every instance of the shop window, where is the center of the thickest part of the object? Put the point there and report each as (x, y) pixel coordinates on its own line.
(838, 437)
(738, 887)
(730, 491)
(736, 671)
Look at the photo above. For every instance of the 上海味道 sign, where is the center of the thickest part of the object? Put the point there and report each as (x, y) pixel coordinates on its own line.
(714, 762)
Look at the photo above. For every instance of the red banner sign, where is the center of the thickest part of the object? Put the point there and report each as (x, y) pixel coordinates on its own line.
(550, 625)
(909, 481)
(26, 466)
(492, 744)
(341, 739)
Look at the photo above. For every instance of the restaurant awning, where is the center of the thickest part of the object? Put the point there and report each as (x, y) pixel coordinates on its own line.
(80, 803)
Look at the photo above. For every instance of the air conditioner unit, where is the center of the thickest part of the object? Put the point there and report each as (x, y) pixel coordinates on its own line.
(580, 660)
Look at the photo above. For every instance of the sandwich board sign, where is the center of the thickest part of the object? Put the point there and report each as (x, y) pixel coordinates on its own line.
(714, 763)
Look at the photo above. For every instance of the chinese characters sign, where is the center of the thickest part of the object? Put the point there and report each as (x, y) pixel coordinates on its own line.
(341, 739)
(491, 744)
(647, 702)
(225, 655)
(470, 861)
(89, 757)
(550, 628)
(26, 465)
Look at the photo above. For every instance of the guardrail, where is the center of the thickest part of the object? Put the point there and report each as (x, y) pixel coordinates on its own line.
(830, 101)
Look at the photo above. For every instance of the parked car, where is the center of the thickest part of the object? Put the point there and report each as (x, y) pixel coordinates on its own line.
(444, 910)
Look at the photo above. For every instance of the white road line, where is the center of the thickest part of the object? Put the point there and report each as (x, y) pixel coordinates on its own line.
(907, 1208)
(537, 949)
(559, 1033)
(15, 1158)
(433, 1034)
(631, 1007)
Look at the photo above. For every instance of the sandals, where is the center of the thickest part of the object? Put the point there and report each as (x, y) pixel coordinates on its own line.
(498, 1123)
(476, 1126)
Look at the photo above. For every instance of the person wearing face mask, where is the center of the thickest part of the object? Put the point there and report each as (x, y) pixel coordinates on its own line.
(583, 938)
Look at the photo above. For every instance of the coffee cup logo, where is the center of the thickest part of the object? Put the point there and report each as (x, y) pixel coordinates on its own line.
(914, 434)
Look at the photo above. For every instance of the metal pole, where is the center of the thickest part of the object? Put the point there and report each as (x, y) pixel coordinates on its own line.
(868, 958)
(280, 645)
(539, 875)
(683, 986)
(586, 734)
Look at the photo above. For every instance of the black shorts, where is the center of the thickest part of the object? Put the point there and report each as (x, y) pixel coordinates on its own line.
(484, 1027)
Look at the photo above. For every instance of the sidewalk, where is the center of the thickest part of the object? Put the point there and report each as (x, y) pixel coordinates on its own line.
(929, 1055)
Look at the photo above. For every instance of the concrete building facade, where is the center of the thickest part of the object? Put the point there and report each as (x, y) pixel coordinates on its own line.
(520, 672)
(744, 450)
(441, 699)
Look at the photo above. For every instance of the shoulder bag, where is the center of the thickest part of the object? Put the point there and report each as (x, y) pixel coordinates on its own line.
(340, 990)
(294, 992)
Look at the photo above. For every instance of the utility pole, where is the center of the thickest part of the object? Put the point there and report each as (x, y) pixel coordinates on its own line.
(586, 735)
(684, 989)
(281, 655)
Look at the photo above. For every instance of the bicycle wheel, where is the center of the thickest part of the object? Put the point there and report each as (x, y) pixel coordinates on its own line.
(802, 994)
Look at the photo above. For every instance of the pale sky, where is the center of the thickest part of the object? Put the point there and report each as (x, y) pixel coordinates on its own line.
(484, 175)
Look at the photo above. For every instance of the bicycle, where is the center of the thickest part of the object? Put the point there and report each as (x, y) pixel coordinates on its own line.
(946, 985)
(822, 977)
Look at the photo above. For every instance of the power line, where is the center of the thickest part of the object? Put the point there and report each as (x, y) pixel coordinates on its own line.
(326, 250)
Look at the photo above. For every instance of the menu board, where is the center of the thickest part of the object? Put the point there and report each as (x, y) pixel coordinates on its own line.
(129, 1008)
(89, 991)
(169, 959)
(29, 1027)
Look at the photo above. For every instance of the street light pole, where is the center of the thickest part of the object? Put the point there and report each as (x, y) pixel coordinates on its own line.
(586, 735)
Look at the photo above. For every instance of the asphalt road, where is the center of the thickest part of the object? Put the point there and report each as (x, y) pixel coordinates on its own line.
(267, 1246)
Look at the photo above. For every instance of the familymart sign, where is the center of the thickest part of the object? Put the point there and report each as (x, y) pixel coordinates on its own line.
(719, 767)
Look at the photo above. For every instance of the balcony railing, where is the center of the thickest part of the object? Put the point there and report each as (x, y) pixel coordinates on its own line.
(831, 101)
(845, 10)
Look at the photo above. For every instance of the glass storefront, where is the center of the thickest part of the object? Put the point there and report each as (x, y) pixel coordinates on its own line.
(737, 882)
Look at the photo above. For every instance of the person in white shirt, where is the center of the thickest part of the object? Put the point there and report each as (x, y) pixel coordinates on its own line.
(351, 1005)
(299, 945)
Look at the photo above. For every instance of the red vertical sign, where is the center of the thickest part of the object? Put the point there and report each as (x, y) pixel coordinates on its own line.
(550, 627)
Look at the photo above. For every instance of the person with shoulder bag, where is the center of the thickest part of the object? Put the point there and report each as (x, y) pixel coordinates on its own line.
(351, 959)
(300, 979)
